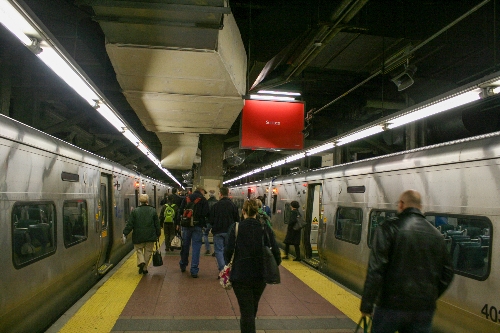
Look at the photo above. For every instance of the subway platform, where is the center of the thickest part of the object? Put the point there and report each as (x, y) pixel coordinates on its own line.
(167, 300)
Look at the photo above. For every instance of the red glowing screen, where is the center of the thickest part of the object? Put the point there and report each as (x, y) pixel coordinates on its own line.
(272, 125)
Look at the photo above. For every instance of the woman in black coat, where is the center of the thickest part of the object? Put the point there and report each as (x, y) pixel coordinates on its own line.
(247, 270)
(292, 235)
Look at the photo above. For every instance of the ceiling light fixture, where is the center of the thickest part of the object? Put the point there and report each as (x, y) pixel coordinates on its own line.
(283, 93)
(439, 106)
(18, 21)
(272, 98)
(358, 135)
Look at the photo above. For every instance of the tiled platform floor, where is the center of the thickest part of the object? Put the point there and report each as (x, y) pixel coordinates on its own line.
(167, 300)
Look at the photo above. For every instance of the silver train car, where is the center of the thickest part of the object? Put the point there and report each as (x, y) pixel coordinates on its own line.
(62, 212)
(460, 185)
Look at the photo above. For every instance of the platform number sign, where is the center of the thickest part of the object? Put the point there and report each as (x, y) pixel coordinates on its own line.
(491, 312)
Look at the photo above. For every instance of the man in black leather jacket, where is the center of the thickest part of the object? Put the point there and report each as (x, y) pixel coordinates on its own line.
(408, 270)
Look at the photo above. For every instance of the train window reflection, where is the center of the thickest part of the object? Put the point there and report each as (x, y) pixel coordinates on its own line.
(468, 241)
(75, 222)
(377, 217)
(348, 224)
(33, 232)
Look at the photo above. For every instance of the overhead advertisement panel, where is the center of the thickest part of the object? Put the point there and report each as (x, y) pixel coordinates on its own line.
(272, 125)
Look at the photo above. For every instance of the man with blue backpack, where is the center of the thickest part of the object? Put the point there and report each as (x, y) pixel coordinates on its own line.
(168, 216)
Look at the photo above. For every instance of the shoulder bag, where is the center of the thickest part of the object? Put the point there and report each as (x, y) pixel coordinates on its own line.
(301, 223)
(225, 274)
(157, 259)
(271, 271)
(176, 243)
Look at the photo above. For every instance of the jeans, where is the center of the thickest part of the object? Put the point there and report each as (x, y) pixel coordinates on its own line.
(390, 321)
(193, 234)
(219, 242)
(205, 237)
(248, 296)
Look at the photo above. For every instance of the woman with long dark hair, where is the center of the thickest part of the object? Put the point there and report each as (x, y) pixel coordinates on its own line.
(293, 236)
(247, 270)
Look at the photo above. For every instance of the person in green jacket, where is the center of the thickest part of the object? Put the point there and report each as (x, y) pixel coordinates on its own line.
(146, 226)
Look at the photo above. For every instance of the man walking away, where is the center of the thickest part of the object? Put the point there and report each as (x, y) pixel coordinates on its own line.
(211, 201)
(177, 198)
(143, 221)
(408, 270)
(265, 207)
(222, 215)
(168, 216)
(194, 233)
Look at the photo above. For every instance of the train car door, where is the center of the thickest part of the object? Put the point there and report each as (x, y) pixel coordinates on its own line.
(104, 221)
(313, 217)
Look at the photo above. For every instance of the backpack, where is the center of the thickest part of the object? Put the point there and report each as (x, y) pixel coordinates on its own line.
(169, 213)
(187, 218)
(264, 218)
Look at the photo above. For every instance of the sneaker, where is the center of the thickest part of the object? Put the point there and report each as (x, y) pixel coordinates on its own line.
(194, 276)
(207, 252)
(183, 269)
(145, 272)
(141, 268)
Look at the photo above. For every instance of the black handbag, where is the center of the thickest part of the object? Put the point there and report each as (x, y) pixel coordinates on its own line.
(157, 259)
(301, 223)
(271, 271)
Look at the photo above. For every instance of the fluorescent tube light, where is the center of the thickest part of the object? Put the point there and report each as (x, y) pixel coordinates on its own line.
(16, 23)
(444, 105)
(272, 98)
(66, 72)
(272, 92)
(295, 157)
(321, 148)
(278, 163)
(360, 135)
(111, 117)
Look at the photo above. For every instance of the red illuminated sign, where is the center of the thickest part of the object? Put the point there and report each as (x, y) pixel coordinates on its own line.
(272, 125)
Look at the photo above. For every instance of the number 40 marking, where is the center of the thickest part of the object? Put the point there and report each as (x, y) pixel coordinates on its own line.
(490, 312)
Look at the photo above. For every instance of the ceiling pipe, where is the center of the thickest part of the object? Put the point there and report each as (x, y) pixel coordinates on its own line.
(393, 60)
(344, 13)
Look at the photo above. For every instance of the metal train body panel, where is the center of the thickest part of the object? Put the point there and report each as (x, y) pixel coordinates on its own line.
(458, 180)
(40, 281)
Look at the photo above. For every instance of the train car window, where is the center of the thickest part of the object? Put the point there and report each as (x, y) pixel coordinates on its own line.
(75, 222)
(468, 241)
(376, 218)
(33, 232)
(348, 224)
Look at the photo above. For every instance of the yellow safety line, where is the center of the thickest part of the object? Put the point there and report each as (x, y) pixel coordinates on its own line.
(329, 290)
(100, 313)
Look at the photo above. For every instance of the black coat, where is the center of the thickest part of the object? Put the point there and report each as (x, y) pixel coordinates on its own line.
(247, 247)
(223, 214)
(409, 265)
(292, 236)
